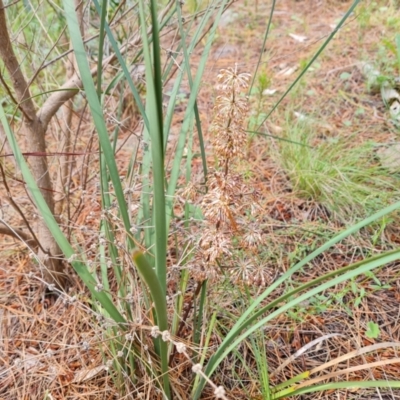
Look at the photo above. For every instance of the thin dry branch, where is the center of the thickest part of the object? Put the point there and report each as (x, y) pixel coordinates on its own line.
(35, 125)
(111, 24)
(11, 63)
(74, 84)
(18, 210)
(65, 133)
(34, 132)
(5, 229)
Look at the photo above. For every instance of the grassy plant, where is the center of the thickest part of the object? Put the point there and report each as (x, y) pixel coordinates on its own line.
(163, 331)
(116, 241)
(345, 180)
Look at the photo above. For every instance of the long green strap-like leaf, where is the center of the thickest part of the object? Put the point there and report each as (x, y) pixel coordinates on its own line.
(241, 323)
(336, 386)
(101, 46)
(153, 283)
(95, 108)
(154, 113)
(263, 45)
(158, 82)
(316, 55)
(51, 223)
(154, 87)
(187, 120)
(227, 347)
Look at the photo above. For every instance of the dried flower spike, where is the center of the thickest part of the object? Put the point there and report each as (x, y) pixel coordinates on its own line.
(222, 205)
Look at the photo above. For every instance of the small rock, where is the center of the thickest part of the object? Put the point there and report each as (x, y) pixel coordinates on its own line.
(389, 157)
(298, 38)
(228, 17)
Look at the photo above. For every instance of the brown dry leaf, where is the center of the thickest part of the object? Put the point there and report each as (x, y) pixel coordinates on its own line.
(87, 374)
(75, 364)
(66, 378)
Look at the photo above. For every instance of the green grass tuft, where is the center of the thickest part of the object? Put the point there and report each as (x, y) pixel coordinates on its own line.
(347, 180)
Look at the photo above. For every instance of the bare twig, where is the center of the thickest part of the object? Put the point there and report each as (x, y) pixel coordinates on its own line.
(74, 84)
(9, 5)
(35, 137)
(6, 229)
(18, 210)
(65, 133)
(301, 351)
(4, 83)
(111, 23)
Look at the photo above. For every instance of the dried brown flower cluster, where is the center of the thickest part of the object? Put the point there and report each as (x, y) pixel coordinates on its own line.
(230, 110)
(227, 195)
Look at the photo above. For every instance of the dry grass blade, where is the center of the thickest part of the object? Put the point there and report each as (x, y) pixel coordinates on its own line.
(302, 351)
(354, 353)
(347, 371)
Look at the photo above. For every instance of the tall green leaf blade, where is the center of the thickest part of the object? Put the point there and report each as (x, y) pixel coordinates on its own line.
(54, 228)
(154, 87)
(154, 285)
(155, 117)
(309, 258)
(191, 107)
(316, 55)
(336, 386)
(95, 108)
(230, 342)
(263, 45)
